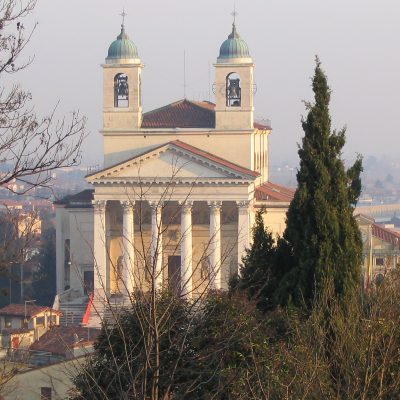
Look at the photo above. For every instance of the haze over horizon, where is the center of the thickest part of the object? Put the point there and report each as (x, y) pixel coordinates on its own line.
(355, 41)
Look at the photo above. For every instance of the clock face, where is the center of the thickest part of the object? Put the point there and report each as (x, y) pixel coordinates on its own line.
(217, 88)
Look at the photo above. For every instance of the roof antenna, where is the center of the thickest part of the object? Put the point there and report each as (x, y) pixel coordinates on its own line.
(184, 74)
(209, 82)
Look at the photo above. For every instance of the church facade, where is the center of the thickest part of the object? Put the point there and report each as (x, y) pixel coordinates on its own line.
(175, 201)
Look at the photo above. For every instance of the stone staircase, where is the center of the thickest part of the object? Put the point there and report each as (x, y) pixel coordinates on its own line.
(72, 305)
(72, 313)
(106, 310)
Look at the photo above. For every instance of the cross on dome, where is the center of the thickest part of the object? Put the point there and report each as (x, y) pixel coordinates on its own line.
(123, 15)
(234, 13)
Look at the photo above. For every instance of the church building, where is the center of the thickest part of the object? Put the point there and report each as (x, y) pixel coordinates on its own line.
(174, 203)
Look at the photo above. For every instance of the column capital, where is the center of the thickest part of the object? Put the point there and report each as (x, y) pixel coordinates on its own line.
(186, 206)
(127, 205)
(154, 205)
(214, 205)
(243, 204)
(99, 206)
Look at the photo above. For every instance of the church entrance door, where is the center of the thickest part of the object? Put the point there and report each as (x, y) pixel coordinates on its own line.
(174, 273)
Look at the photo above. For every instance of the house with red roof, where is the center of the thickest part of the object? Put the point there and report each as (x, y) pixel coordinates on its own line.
(381, 249)
(22, 324)
(174, 203)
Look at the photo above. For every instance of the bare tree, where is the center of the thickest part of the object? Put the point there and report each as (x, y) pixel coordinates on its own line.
(147, 348)
(31, 147)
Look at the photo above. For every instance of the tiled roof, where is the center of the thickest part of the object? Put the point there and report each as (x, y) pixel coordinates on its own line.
(61, 340)
(261, 126)
(386, 234)
(269, 191)
(16, 331)
(187, 147)
(18, 310)
(78, 200)
(181, 114)
(185, 114)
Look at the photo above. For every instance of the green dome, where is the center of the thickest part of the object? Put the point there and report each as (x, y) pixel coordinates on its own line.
(122, 49)
(233, 47)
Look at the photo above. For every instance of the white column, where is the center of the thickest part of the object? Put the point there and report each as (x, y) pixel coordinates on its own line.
(128, 245)
(215, 244)
(156, 244)
(243, 229)
(99, 247)
(186, 249)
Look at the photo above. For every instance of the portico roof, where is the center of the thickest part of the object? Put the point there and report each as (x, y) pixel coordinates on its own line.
(189, 162)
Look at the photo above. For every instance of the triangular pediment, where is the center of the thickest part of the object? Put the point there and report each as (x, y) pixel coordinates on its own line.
(174, 160)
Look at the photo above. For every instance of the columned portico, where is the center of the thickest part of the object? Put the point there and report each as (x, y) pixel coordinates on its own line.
(99, 247)
(243, 228)
(156, 243)
(128, 247)
(215, 244)
(186, 249)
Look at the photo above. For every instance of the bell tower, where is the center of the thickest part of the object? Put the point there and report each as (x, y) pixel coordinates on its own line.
(234, 84)
(122, 102)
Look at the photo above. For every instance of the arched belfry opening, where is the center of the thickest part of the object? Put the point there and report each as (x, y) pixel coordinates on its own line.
(233, 90)
(121, 91)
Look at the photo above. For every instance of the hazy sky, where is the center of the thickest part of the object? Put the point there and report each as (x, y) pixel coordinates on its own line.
(356, 40)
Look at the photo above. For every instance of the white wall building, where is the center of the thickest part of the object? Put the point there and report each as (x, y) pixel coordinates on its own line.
(180, 185)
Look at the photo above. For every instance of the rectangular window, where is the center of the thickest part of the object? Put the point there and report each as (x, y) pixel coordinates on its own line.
(174, 273)
(40, 321)
(379, 262)
(7, 322)
(45, 393)
(88, 282)
(24, 323)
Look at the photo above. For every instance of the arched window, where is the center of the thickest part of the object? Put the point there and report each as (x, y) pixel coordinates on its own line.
(121, 91)
(233, 90)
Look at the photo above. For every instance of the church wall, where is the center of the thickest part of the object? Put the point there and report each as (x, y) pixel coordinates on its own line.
(275, 220)
(62, 233)
(81, 239)
(260, 155)
(234, 147)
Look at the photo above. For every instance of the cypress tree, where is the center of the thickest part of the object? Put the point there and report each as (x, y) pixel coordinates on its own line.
(322, 235)
(257, 270)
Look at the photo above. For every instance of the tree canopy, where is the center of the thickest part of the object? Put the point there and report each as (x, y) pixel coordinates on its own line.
(322, 236)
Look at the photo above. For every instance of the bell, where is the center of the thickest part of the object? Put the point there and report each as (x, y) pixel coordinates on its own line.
(234, 88)
(123, 89)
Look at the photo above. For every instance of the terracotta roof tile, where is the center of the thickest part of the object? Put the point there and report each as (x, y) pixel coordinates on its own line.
(269, 191)
(61, 340)
(181, 114)
(386, 234)
(18, 310)
(258, 125)
(185, 114)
